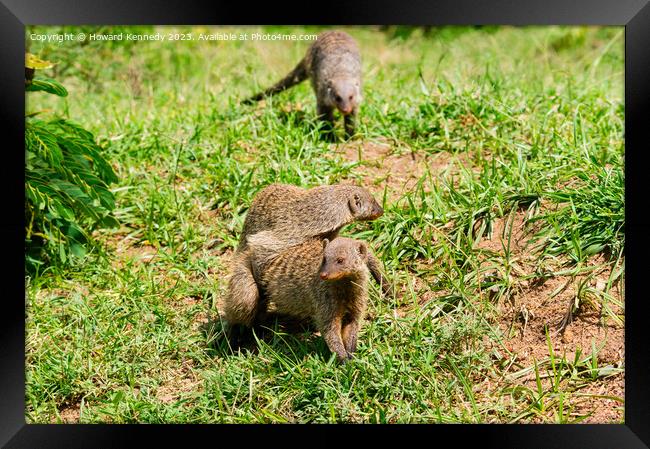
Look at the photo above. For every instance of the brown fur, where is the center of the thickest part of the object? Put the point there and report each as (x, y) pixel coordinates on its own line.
(319, 280)
(295, 213)
(333, 64)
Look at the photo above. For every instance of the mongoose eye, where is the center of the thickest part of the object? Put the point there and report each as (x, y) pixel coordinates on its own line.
(350, 97)
(338, 98)
(339, 260)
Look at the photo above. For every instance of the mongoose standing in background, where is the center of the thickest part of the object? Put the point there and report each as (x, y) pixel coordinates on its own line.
(333, 64)
(322, 280)
(294, 215)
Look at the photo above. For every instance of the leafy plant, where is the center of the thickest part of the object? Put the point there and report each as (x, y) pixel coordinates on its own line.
(66, 180)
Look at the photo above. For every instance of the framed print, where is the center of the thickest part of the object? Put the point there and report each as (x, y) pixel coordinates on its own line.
(404, 216)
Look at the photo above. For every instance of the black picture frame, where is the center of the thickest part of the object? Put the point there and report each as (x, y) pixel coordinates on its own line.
(633, 14)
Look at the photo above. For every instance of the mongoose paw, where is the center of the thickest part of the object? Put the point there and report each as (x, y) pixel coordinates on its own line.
(348, 357)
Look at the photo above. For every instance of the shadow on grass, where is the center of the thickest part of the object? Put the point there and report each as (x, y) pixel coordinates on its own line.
(287, 337)
(298, 119)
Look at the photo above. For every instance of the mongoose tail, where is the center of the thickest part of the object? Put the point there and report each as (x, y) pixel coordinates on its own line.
(296, 76)
(243, 303)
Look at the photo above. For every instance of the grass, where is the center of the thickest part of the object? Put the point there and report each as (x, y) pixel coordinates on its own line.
(504, 125)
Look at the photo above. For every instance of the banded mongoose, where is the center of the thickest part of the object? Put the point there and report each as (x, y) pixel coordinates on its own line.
(325, 281)
(295, 214)
(333, 65)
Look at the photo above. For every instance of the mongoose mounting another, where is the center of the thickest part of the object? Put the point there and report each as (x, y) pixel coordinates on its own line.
(294, 215)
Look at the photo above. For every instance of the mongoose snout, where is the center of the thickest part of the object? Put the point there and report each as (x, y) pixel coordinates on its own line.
(344, 95)
(377, 211)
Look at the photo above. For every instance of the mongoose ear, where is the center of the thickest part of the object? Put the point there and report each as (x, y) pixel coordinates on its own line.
(325, 243)
(353, 204)
(363, 250)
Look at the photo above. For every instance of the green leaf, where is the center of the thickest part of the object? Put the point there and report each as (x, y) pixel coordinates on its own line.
(48, 85)
(72, 128)
(593, 249)
(109, 222)
(78, 250)
(62, 254)
(64, 212)
(66, 177)
(39, 139)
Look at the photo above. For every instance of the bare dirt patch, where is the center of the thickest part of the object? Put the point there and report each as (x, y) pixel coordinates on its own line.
(177, 382)
(508, 232)
(68, 415)
(540, 304)
(140, 253)
(382, 166)
(594, 401)
(127, 247)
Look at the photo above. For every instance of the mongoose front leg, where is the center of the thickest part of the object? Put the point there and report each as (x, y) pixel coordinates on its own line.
(350, 121)
(375, 267)
(332, 335)
(349, 335)
(326, 116)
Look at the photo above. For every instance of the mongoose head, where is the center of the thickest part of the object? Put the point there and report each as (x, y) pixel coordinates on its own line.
(363, 205)
(343, 258)
(345, 94)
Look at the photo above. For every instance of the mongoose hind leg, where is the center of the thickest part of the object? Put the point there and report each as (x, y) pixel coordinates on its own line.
(242, 302)
(350, 122)
(261, 312)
